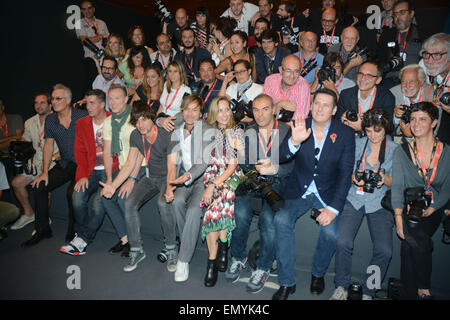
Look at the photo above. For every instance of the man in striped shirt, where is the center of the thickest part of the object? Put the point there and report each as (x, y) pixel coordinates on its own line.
(288, 89)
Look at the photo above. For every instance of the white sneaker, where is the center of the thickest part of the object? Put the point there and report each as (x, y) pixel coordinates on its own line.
(22, 222)
(182, 271)
(339, 294)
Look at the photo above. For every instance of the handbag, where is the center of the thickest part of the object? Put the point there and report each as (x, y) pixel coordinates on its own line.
(386, 202)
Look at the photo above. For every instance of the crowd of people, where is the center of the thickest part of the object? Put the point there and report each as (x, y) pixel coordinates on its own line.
(262, 111)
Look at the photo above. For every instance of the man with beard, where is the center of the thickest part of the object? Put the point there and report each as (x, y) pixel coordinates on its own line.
(174, 28)
(254, 41)
(242, 12)
(265, 11)
(436, 63)
(329, 31)
(291, 24)
(403, 40)
(190, 56)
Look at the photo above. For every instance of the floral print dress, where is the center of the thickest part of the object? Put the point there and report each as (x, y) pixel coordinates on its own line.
(219, 215)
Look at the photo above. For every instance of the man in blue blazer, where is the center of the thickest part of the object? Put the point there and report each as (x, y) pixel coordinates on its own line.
(269, 57)
(324, 151)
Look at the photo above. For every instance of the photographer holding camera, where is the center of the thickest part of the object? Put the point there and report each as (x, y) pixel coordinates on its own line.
(412, 89)
(371, 180)
(292, 24)
(330, 75)
(261, 155)
(420, 191)
(353, 102)
(310, 59)
(244, 89)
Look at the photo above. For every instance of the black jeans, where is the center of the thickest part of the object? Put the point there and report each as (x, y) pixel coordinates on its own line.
(57, 177)
(416, 255)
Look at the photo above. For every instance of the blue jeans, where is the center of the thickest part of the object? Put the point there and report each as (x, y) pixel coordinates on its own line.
(88, 220)
(115, 207)
(243, 214)
(380, 225)
(285, 220)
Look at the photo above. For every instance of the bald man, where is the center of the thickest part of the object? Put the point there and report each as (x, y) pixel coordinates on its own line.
(173, 29)
(348, 49)
(329, 31)
(307, 53)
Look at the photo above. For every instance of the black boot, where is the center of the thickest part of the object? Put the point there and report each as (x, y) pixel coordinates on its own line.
(211, 273)
(222, 256)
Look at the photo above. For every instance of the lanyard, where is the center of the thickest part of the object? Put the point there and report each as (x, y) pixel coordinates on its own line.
(147, 154)
(364, 159)
(150, 104)
(92, 27)
(436, 153)
(210, 91)
(420, 96)
(331, 38)
(441, 87)
(371, 102)
(162, 60)
(191, 64)
(115, 78)
(404, 42)
(140, 81)
(339, 83)
(174, 96)
(239, 96)
(40, 135)
(384, 22)
(5, 130)
(301, 59)
(263, 146)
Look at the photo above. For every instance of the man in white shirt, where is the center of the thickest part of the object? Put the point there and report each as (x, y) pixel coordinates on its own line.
(242, 12)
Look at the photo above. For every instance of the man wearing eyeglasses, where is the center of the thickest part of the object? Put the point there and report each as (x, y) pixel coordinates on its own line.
(59, 128)
(329, 32)
(436, 63)
(288, 89)
(364, 96)
(404, 41)
(91, 28)
(323, 150)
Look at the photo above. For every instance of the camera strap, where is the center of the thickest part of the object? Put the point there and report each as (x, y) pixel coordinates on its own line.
(210, 90)
(303, 61)
(190, 64)
(371, 101)
(435, 154)
(381, 155)
(94, 28)
(266, 147)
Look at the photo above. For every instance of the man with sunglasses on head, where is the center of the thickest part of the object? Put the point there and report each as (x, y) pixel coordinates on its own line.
(436, 63)
(364, 96)
(403, 41)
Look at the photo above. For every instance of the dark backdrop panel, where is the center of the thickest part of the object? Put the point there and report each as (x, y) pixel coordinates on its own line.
(39, 51)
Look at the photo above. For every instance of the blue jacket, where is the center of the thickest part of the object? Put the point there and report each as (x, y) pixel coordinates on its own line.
(333, 176)
(261, 68)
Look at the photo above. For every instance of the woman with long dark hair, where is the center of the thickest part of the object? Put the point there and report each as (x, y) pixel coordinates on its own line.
(133, 68)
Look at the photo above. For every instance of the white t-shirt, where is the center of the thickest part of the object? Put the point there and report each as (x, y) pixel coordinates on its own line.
(99, 146)
(248, 12)
(87, 29)
(3, 179)
(171, 102)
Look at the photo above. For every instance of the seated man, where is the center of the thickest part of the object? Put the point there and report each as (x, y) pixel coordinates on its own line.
(165, 53)
(330, 30)
(307, 53)
(34, 132)
(184, 190)
(8, 211)
(348, 50)
(90, 171)
(59, 128)
(340, 82)
(288, 89)
(148, 144)
(268, 58)
(321, 183)
(412, 89)
(211, 85)
(365, 95)
(260, 155)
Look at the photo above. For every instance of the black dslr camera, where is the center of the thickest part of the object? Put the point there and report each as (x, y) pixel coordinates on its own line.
(418, 200)
(370, 178)
(201, 90)
(326, 73)
(241, 109)
(394, 61)
(22, 151)
(351, 115)
(406, 116)
(96, 50)
(163, 13)
(254, 182)
(308, 67)
(445, 99)
(284, 115)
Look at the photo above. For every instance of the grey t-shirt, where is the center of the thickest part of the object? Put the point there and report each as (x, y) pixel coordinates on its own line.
(157, 163)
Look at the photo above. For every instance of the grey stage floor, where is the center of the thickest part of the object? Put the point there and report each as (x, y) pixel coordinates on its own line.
(42, 272)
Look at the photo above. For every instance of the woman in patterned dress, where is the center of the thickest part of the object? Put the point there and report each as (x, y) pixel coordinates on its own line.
(218, 198)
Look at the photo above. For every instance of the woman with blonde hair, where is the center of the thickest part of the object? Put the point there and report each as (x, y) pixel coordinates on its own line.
(221, 179)
(151, 88)
(175, 88)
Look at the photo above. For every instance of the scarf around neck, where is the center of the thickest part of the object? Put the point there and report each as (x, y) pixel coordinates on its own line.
(116, 127)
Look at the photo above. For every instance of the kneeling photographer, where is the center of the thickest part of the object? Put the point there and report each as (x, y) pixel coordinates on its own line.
(420, 191)
(330, 75)
(242, 92)
(371, 179)
(259, 192)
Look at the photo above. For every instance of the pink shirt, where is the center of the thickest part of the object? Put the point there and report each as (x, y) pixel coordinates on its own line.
(298, 93)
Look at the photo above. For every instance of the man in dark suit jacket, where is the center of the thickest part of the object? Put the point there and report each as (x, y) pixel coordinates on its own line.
(324, 151)
(269, 57)
(364, 96)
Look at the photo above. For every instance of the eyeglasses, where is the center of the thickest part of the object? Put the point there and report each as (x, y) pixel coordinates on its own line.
(240, 72)
(295, 72)
(362, 75)
(108, 68)
(400, 13)
(433, 55)
(328, 21)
